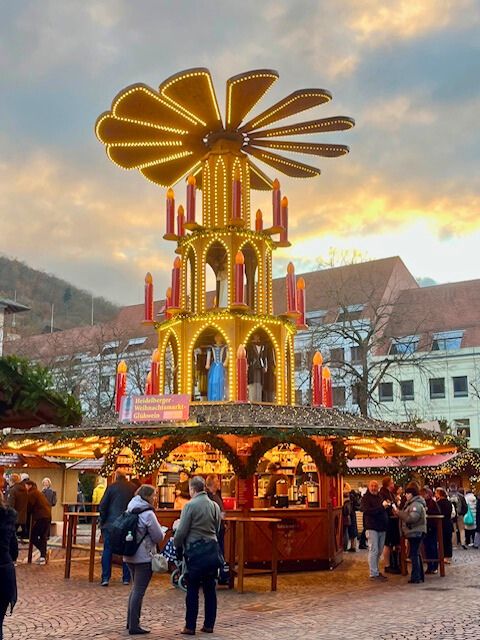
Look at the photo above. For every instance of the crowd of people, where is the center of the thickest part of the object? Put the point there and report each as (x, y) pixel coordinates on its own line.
(390, 511)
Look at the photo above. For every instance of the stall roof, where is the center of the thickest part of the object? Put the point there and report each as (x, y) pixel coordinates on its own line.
(421, 461)
(87, 464)
(17, 460)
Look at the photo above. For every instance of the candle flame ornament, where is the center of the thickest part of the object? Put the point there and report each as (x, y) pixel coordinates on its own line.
(317, 392)
(191, 203)
(242, 367)
(170, 216)
(120, 383)
(301, 324)
(148, 310)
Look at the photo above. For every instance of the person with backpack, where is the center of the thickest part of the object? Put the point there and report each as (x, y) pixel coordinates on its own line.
(114, 502)
(142, 538)
(470, 518)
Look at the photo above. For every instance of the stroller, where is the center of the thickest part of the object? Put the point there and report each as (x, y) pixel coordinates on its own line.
(178, 575)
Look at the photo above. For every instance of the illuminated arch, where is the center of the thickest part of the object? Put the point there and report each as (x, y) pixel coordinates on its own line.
(211, 241)
(278, 357)
(231, 359)
(169, 335)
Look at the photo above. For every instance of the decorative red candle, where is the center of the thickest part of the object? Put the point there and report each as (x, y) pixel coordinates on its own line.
(327, 388)
(239, 277)
(291, 289)
(317, 379)
(301, 302)
(177, 265)
(259, 221)
(237, 195)
(170, 228)
(284, 220)
(168, 301)
(155, 372)
(120, 383)
(191, 195)
(148, 312)
(148, 384)
(181, 222)
(241, 374)
(276, 197)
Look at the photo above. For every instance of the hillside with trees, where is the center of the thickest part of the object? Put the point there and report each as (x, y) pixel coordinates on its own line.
(72, 307)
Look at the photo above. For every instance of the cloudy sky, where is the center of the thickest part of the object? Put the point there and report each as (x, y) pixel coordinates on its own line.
(408, 72)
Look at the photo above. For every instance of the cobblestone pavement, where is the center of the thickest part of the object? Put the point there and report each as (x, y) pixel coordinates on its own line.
(339, 604)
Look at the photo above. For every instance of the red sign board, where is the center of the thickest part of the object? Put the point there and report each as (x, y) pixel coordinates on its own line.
(154, 408)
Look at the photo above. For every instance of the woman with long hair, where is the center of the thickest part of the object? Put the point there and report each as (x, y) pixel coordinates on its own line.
(149, 533)
(8, 555)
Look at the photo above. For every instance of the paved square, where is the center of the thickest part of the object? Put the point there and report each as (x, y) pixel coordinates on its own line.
(323, 605)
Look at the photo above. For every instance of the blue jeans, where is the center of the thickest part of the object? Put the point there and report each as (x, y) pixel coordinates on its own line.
(417, 564)
(376, 542)
(107, 556)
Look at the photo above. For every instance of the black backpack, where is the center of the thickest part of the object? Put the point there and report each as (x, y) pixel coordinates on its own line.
(123, 533)
(463, 505)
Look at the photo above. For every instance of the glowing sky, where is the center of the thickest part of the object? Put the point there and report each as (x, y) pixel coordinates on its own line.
(408, 72)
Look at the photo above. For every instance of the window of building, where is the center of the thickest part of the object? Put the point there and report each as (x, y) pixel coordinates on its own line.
(462, 426)
(105, 383)
(437, 388)
(134, 343)
(298, 396)
(316, 318)
(337, 356)
(110, 347)
(460, 386)
(352, 312)
(385, 391)
(404, 346)
(447, 340)
(338, 395)
(356, 355)
(407, 390)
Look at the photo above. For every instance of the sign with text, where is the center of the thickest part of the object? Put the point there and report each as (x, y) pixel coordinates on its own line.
(154, 408)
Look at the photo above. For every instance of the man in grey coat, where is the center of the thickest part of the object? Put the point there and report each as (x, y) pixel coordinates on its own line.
(200, 520)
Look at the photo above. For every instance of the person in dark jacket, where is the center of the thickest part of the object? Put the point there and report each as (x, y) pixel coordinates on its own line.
(430, 541)
(445, 507)
(40, 513)
(17, 500)
(8, 555)
(114, 502)
(376, 522)
(48, 491)
(212, 483)
(391, 552)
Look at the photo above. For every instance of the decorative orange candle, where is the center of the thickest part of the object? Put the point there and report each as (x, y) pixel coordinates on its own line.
(155, 372)
(301, 302)
(177, 265)
(291, 289)
(181, 222)
(276, 197)
(259, 221)
(242, 366)
(239, 278)
(191, 197)
(327, 388)
(170, 226)
(168, 301)
(120, 383)
(148, 311)
(237, 195)
(284, 220)
(317, 379)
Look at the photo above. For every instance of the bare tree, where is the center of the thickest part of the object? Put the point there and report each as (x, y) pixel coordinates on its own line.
(356, 333)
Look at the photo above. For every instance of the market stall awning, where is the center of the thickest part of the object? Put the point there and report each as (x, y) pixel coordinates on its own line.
(422, 461)
(18, 460)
